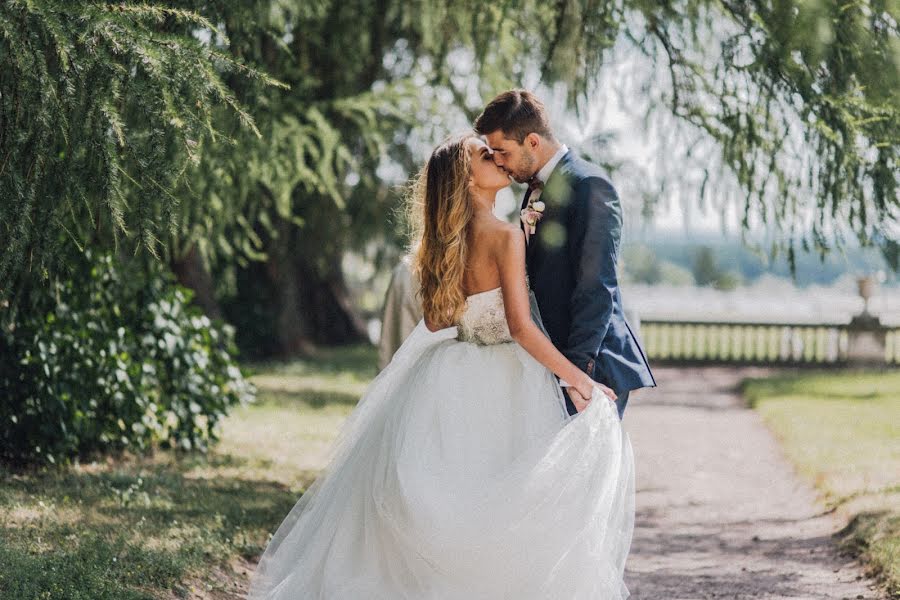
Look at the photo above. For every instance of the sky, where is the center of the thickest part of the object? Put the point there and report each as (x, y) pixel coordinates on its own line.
(652, 146)
(637, 142)
(657, 164)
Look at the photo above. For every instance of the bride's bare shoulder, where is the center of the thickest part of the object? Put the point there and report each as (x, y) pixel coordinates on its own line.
(502, 235)
(510, 239)
(498, 242)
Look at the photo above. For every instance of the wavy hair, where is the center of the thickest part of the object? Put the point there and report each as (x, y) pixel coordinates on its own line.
(440, 210)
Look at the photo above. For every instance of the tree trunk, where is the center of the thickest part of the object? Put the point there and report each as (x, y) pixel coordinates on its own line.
(191, 273)
(293, 335)
(304, 308)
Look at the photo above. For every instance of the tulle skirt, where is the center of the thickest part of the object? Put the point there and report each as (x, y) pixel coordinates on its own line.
(460, 475)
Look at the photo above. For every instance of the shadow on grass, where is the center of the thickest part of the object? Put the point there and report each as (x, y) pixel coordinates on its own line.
(129, 530)
(334, 376)
(316, 398)
(359, 360)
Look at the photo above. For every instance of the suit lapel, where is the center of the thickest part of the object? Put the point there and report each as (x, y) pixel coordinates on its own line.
(522, 207)
(556, 179)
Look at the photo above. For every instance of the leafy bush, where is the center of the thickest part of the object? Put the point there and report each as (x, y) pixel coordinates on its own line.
(114, 358)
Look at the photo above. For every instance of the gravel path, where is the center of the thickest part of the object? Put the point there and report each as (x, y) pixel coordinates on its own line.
(720, 511)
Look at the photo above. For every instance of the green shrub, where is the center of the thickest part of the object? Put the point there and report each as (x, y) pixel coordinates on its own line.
(112, 358)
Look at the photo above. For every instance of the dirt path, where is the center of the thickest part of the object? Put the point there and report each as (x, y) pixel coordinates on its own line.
(720, 511)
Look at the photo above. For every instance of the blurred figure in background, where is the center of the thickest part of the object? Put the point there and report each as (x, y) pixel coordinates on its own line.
(402, 311)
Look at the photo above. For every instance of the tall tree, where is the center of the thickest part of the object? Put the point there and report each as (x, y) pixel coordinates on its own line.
(800, 98)
(103, 108)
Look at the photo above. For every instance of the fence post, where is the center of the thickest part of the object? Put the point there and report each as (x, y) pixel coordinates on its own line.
(866, 341)
(867, 337)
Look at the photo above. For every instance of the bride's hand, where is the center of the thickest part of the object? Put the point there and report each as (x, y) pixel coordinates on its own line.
(608, 391)
(585, 386)
(578, 400)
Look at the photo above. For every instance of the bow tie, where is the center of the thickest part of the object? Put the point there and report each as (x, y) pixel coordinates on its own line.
(535, 184)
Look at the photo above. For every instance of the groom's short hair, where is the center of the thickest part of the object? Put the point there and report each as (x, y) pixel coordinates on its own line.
(516, 113)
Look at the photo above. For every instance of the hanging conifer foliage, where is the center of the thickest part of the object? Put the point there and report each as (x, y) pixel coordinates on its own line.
(103, 108)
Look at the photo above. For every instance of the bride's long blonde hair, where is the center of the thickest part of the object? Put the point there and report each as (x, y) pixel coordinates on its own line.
(439, 210)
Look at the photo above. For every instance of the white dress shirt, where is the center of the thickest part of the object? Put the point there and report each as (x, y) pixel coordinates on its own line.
(547, 169)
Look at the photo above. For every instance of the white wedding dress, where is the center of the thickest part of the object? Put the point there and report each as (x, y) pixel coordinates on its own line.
(460, 476)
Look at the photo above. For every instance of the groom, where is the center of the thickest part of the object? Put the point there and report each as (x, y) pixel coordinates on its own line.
(571, 256)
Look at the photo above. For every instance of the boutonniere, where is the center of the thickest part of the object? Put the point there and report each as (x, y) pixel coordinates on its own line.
(531, 214)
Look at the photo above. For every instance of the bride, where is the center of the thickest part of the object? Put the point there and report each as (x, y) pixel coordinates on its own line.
(460, 473)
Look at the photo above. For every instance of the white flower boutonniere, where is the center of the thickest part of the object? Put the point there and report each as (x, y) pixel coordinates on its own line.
(530, 215)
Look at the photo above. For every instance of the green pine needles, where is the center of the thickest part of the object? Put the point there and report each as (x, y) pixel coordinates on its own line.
(103, 108)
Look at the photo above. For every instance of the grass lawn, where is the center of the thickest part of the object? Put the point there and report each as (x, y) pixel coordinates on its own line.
(176, 525)
(841, 429)
(189, 526)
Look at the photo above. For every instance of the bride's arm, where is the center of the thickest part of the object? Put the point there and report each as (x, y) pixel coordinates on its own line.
(510, 256)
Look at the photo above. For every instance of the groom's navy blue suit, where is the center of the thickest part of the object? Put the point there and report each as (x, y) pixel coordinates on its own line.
(571, 264)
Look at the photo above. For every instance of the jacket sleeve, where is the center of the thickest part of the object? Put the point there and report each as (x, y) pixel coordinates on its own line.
(594, 229)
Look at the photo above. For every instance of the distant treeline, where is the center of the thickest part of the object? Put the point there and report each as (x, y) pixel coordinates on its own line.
(706, 259)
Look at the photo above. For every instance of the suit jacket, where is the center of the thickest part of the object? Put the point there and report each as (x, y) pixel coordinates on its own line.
(571, 264)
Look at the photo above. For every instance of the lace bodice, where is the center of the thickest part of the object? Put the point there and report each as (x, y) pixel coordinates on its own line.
(484, 319)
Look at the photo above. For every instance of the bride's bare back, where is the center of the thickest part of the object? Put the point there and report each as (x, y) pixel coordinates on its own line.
(496, 258)
(483, 237)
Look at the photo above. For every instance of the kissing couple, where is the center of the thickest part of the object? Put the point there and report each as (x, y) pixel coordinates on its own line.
(488, 459)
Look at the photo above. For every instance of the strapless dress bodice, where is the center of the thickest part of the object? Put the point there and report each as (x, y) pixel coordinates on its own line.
(483, 320)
